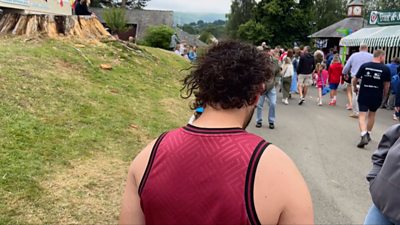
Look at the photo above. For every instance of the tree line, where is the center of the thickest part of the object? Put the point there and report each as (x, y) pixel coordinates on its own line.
(283, 22)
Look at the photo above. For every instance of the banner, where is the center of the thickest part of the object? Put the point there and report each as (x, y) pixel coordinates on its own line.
(321, 43)
(383, 18)
(57, 7)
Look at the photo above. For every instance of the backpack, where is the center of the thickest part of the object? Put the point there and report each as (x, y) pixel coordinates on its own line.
(394, 83)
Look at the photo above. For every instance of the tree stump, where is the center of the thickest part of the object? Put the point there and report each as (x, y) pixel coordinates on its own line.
(83, 27)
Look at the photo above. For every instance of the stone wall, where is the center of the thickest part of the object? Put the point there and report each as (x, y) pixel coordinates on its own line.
(144, 19)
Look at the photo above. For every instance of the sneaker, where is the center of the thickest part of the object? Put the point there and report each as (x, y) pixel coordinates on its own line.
(332, 103)
(259, 125)
(301, 101)
(395, 117)
(363, 142)
(286, 102)
(349, 107)
(271, 126)
(369, 137)
(354, 115)
(319, 103)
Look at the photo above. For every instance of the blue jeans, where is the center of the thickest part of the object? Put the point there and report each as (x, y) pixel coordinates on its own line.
(293, 88)
(271, 96)
(375, 217)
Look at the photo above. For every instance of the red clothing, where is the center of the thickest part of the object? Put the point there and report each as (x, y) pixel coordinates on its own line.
(335, 73)
(322, 79)
(202, 176)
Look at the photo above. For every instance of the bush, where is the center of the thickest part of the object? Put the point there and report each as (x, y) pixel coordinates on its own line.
(158, 36)
(205, 37)
(115, 19)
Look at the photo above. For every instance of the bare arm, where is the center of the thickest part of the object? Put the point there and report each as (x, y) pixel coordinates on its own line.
(281, 195)
(386, 87)
(131, 212)
(354, 83)
(347, 67)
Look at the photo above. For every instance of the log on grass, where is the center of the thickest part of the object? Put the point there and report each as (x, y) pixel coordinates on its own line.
(84, 27)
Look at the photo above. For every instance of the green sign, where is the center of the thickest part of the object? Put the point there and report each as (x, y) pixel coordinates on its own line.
(383, 18)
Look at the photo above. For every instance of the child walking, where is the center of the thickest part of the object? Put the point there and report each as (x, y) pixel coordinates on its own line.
(287, 73)
(335, 76)
(322, 78)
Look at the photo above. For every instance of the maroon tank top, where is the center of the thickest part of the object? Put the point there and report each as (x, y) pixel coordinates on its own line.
(202, 176)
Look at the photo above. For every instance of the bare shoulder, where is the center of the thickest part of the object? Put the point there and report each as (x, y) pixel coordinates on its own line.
(281, 195)
(139, 164)
(131, 212)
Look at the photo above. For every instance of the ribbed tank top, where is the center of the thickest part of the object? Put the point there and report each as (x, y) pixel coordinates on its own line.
(202, 176)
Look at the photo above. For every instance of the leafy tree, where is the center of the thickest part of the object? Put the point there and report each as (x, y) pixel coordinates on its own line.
(241, 12)
(382, 5)
(253, 32)
(328, 12)
(285, 21)
(190, 29)
(200, 23)
(216, 28)
(158, 36)
(219, 23)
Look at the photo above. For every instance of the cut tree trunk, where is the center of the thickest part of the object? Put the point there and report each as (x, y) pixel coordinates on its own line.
(85, 27)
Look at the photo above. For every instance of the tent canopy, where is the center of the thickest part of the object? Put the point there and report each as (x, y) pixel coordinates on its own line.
(374, 37)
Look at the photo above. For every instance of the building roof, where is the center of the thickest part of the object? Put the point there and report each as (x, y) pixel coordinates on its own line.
(190, 39)
(352, 23)
(374, 37)
(356, 2)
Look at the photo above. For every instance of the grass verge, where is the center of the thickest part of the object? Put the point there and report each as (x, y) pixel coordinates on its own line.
(69, 129)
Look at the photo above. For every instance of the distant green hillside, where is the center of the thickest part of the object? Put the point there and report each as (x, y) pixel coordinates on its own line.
(181, 18)
(69, 129)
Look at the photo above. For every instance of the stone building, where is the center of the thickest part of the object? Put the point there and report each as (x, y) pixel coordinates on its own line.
(140, 20)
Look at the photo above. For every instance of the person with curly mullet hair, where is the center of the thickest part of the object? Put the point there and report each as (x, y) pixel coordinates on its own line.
(213, 171)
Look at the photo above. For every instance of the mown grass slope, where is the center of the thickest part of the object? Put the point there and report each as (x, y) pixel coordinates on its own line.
(68, 130)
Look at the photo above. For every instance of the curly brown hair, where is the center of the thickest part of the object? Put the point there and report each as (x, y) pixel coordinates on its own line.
(230, 75)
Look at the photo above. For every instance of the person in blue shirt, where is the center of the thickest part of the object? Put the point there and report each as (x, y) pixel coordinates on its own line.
(329, 57)
(192, 54)
(394, 66)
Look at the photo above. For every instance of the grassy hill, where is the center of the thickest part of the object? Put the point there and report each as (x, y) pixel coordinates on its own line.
(69, 129)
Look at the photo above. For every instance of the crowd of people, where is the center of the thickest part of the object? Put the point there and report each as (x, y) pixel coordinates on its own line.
(297, 69)
(181, 48)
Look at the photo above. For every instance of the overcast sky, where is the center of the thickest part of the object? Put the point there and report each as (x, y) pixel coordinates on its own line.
(206, 6)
